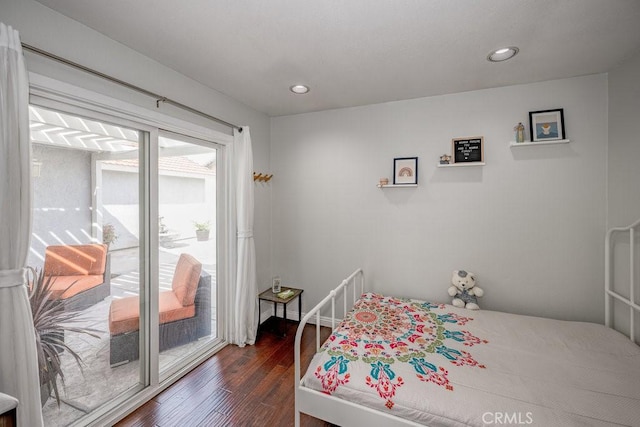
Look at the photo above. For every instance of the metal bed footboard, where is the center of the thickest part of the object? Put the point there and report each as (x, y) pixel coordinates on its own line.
(609, 293)
(356, 278)
(324, 406)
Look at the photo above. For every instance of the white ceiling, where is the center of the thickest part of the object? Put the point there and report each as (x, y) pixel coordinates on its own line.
(356, 52)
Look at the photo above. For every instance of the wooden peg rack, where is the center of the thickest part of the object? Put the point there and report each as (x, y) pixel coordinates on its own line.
(260, 177)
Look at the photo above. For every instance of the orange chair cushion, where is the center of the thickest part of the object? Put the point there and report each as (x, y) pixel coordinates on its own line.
(185, 279)
(124, 314)
(67, 286)
(73, 260)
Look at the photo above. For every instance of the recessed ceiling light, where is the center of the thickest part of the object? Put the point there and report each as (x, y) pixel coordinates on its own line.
(299, 89)
(502, 54)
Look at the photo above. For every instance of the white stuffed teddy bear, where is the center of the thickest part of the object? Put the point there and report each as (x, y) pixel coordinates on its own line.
(464, 290)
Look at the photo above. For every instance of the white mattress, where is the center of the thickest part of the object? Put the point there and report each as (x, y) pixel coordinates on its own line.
(518, 370)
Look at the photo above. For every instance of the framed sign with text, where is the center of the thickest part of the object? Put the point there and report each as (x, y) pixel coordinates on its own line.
(468, 150)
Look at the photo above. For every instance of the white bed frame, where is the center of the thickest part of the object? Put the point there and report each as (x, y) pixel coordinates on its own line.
(609, 293)
(345, 413)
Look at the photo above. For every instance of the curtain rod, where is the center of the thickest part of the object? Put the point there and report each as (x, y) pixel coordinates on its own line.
(159, 98)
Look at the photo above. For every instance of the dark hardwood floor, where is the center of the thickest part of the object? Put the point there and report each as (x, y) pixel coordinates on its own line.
(250, 386)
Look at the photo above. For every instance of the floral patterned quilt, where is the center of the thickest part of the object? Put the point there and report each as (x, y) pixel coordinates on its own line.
(440, 365)
(387, 333)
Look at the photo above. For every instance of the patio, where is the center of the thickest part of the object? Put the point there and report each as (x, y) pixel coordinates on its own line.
(98, 382)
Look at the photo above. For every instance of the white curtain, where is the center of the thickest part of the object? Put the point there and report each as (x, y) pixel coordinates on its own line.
(18, 359)
(245, 306)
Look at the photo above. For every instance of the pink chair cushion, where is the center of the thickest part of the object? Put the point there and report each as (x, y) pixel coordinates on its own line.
(75, 260)
(185, 279)
(124, 313)
(63, 287)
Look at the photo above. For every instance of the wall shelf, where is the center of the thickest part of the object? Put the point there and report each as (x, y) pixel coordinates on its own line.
(396, 185)
(461, 165)
(529, 143)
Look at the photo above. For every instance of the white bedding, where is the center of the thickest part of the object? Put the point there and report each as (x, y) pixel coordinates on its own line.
(440, 365)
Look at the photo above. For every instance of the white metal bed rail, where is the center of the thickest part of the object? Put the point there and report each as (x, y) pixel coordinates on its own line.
(609, 293)
(357, 277)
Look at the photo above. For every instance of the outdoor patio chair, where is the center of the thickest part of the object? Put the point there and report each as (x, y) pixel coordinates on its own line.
(185, 313)
(81, 274)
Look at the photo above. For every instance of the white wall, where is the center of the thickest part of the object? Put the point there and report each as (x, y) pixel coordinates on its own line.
(48, 30)
(530, 223)
(623, 196)
(624, 144)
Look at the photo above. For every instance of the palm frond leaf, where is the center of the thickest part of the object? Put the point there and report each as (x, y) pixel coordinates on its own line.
(51, 320)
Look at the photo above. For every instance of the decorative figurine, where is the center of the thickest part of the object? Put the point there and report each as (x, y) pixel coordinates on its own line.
(445, 159)
(519, 128)
(384, 181)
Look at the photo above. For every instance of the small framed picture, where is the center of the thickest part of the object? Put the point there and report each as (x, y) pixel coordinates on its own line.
(405, 170)
(547, 125)
(275, 285)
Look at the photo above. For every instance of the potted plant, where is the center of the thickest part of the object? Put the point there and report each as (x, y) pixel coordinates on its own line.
(202, 230)
(51, 320)
(162, 227)
(109, 234)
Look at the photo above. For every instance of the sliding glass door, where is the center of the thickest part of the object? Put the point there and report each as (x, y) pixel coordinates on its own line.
(125, 225)
(187, 249)
(86, 241)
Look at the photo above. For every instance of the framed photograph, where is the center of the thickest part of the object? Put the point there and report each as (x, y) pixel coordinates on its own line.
(405, 170)
(468, 150)
(547, 125)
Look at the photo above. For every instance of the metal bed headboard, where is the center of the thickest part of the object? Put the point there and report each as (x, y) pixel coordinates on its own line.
(609, 293)
(356, 281)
